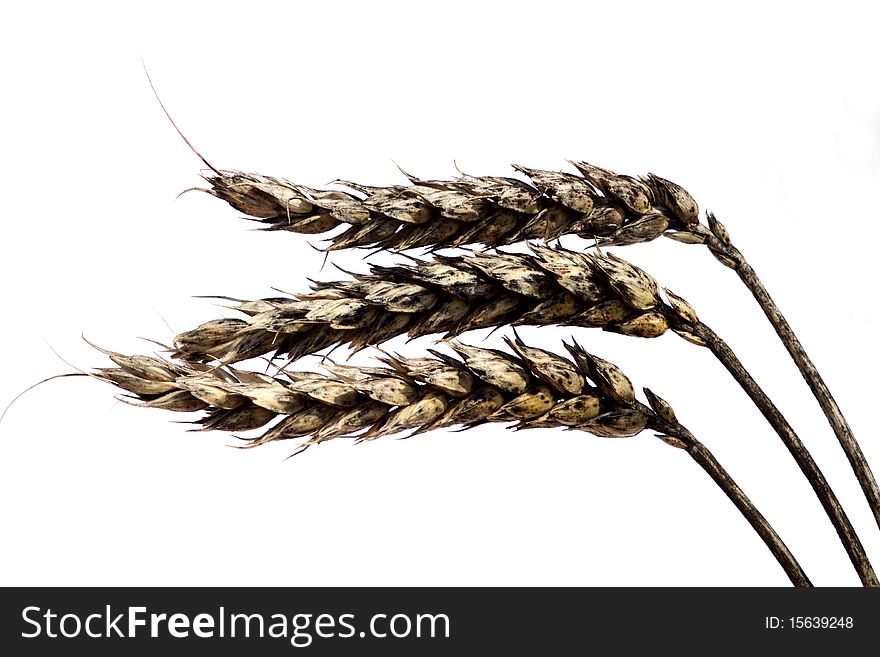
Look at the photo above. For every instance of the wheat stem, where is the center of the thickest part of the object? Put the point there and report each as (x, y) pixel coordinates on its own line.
(734, 259)
(706, 460)
(817, 385)
(798, 450)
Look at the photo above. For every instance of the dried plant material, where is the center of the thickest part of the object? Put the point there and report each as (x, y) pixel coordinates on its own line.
(833, 509)
(575, 412)
(632, 193)
(573, 271)
(607, 376)
(620, 423)
(339, 314)
(459, 281)
(718, 229)
(178, 400)
(494, 367)
(633, 285)
(402, 298)
(533, 387)
(507, 193)
(213, 395)
(259, 196)
(441, 372)
(244, 418)
(724, 259)
(535, 401)
(486, 385)
(607, 410)
(515, 273)
(451, 295)
(380, 385)
(332, 393)
(569, 190)
(646, 325)
(605, 313)
(270, 395)
(308, 421)
(672, 441)
(144, 367)
(675, 198)
(424, 411)
(498, 312)
(557, 309)
(685, 237)
(451, 312)
(477, 407)
(489, 210)
(559, 373)
(136, 384)
(660, 406)
(644, 229)
(691, 337)
(681, 307)
(362, 415)
(400, 203)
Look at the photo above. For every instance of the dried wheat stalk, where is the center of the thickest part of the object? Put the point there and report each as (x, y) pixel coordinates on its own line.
(456, 294)
(533, 389)
(718, 241)
(495, 211)
(448, 295)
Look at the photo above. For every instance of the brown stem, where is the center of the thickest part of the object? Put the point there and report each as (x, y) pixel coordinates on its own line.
(842, 430)
(706, 460)
(805, 461)
(811, 375)
(759, 523)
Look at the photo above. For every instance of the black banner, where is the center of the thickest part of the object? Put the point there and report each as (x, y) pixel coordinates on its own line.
(336, 621)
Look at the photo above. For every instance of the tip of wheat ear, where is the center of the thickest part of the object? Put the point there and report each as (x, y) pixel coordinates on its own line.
(490, 210)
(528, 386)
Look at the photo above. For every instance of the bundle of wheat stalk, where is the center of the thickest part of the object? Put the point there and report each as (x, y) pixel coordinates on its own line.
(531, 387)
(456, 294)
(596, 204)
(453, 294)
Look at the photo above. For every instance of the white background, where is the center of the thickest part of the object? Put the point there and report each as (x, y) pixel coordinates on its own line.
(769, 113)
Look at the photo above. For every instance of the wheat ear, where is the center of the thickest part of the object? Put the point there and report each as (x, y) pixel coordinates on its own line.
(495, 211)
(448, 295)
(488, 210)
(533, 389)
(551, 286)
